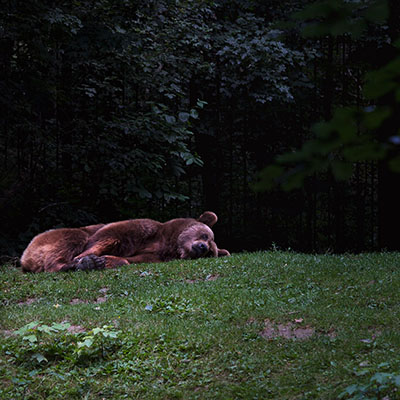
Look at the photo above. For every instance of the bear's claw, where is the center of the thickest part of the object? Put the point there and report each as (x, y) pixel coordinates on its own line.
(90, 262)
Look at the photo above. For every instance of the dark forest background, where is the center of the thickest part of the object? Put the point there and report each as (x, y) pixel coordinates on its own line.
(117, 109)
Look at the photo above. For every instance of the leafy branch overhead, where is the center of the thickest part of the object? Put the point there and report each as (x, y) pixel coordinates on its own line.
(339, 17)
(354, 133)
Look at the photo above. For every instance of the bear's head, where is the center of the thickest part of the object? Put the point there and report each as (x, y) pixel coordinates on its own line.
(197, 239)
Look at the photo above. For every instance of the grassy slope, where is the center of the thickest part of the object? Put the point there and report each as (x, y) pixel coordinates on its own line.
(192, 329)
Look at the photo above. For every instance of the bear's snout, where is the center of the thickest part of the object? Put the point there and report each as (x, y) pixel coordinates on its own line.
(200, 248)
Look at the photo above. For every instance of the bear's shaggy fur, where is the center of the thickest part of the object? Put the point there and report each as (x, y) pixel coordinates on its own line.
(120, 243)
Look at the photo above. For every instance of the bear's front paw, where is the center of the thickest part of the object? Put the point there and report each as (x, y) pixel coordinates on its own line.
(90, 262)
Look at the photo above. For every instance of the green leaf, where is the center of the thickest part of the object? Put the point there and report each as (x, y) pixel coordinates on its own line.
(86, 343)
(27, 328)
(350, 390)
(61, 326)
(394, 164)
(201, 103)
(183, 116)
(111, 334)
(170, 119)
(31, 338)
(397, 95)
(377, 87)
(39, 357)
(374, 119)
(369, 150)
(381, 377)
(45, 329)
(119, 29)
(377, 12)
(294, 178)
(268, 177)
(383, 81)
(194, 114)
(144, 194)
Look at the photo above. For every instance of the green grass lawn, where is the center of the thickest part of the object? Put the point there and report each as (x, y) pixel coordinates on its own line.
(268, 325)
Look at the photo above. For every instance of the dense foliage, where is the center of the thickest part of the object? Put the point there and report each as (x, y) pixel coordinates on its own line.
(123, 109)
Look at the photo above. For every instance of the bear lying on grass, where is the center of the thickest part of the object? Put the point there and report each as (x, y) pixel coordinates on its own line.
(120, 243)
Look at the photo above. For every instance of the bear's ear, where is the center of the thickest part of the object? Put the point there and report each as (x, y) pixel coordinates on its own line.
(208, 218)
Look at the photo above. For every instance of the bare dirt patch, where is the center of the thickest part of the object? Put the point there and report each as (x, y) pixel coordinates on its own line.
(27, 302)
(101, 299)
(76, 329)
(289, 330)
(78, 301)
(98, 300)
(293, 330)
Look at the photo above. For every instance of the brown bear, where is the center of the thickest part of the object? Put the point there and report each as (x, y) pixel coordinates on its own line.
(120, 243)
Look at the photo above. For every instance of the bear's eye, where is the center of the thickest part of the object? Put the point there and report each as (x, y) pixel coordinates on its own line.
(204, 237)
